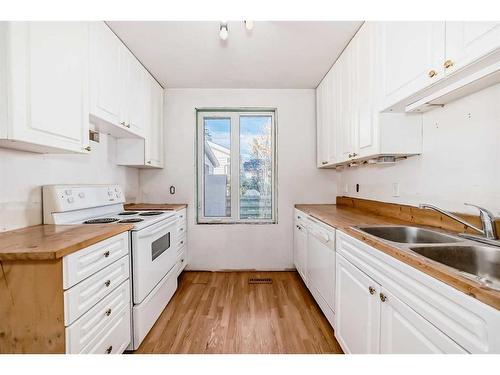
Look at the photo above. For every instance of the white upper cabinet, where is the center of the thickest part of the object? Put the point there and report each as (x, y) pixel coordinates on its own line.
(147, 152)
(322, 137)
(105, 83)
(154, 138)
(433, 63)
(352, 91)
(119, 92)
(45, 91)
(413, 55)
(467, 42)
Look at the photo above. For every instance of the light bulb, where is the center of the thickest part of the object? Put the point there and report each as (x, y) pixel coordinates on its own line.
(223, 31)
(249, 25)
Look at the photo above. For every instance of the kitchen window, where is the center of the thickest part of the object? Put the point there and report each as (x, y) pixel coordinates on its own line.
(236, 165)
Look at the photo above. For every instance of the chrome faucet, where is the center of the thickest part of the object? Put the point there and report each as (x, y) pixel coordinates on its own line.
(488, 231)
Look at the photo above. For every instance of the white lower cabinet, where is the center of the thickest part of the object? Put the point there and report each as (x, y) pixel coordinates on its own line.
(385, 306)
(97, 298)
(357, 319)
(403, 331)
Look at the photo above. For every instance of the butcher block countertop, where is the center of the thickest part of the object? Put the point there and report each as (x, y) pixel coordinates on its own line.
(47, 242)
(344, 215)
(154, 206)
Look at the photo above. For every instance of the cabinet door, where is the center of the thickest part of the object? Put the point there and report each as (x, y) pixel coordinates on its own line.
(346, 93)
(139, 95)
(357, 315)
(321, 129)
(329, 113)
(105, 74)
(467, 42)
(413, 55)
(125, 85)
(366, 125)
(404, 331)
(154, 117)
(49, 83)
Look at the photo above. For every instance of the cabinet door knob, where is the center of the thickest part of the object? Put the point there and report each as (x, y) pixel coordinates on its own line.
(107, 283)
(109, 349)
(432, 73)
(383, 297)
(149, 161)
(324, 162)
(123, 123)
(87, 148)
(448, 64)
(106, 254)
(371, 290)
(128, 126)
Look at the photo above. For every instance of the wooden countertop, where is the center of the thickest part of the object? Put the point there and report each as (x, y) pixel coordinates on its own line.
(154, 206)
(45, 242)
(344, 217)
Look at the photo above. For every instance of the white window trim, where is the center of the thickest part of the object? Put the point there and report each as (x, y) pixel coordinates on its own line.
(233, 114)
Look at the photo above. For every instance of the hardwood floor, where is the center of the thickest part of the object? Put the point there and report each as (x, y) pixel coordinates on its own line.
(220, 312)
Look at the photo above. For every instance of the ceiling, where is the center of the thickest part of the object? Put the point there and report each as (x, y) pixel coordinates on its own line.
(281, 54)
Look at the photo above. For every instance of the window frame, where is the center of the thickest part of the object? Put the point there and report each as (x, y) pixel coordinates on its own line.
(234, 115)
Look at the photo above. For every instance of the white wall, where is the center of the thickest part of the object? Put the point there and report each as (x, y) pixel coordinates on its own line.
(22, 174)
(263, 247)
(460, 161)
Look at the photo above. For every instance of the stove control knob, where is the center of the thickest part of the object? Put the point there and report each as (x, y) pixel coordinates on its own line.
(81, 195)
(68, 192)
(110, 193)
(70, 200)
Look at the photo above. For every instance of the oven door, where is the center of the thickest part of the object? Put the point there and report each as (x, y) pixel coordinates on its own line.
(153, 255)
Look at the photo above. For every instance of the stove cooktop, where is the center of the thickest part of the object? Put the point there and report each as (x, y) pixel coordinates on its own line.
(139, 219)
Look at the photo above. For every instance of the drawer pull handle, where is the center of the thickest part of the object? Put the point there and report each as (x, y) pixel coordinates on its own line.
(106, 254)
(371, 290)
(107, 283)
(383, 297)
(108, 312)
(182, 242)
(181, 229)
(108, 350)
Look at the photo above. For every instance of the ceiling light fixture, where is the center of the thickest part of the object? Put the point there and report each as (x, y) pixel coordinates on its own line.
(249, 25)
(223, 31)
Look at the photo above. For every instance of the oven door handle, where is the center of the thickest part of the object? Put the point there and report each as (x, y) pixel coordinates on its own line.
(149, 232)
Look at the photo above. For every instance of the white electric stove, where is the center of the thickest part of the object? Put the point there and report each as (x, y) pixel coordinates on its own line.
(152, 239)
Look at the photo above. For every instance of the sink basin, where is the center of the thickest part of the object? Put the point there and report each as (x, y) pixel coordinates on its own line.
(409, 235)
(481, 261)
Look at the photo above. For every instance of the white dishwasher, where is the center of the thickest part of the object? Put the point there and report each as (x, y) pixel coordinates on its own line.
(321, 266)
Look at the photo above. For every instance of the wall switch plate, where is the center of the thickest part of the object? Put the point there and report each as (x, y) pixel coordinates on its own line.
(346, 188)
(395, 189)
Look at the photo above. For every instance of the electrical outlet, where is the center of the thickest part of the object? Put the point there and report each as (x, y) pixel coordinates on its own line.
(395, 189)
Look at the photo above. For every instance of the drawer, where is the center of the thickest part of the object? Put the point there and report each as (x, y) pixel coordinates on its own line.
(93, 322)
(181, 260)
(181, 242)
(86, 262)
(147, 312)
(182, 215)
(114, 338)
(86, 294)
(181, 228)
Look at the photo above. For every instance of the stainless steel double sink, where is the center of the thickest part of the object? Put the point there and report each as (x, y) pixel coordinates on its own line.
(475, 261)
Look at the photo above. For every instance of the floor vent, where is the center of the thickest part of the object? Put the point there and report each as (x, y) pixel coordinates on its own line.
(260, 281)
